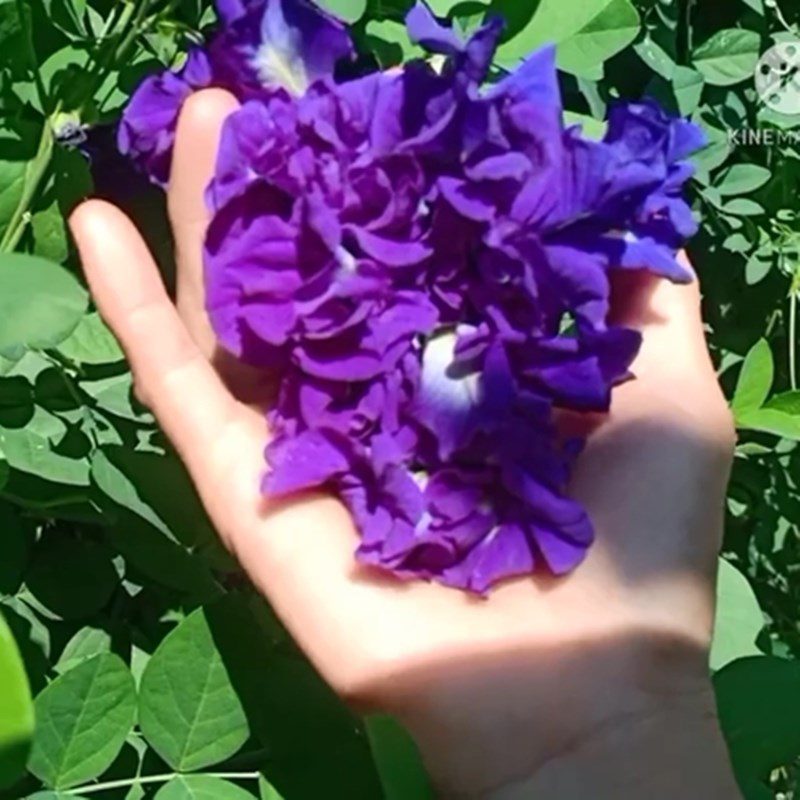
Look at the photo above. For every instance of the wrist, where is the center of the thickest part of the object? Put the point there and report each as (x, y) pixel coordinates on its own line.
(636, 707)
(661, 754)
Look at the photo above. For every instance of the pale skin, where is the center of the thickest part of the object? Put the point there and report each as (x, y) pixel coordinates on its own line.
(594, 685)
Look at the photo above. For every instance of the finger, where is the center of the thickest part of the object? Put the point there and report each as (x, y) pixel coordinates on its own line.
(640, 298)
(197, 143)
(669, 317)
(177, 382)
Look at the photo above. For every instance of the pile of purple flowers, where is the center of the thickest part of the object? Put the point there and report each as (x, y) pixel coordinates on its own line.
(425, 262)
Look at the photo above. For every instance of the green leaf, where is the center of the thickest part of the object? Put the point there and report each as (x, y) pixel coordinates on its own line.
(67, 77)
(266, 791)
(469, 16)
(50, 234)
(92, 343)
(67, 15)
(655, 57)
(717, 150)
(587, 34)
(71, 578)
(398, 760)
(737, 243)
(32, 634)
(390, 42)
(85, 644)
(41, 304)
(160, 559)
(759, 265)
(349, 11)
(34, 452)
(756, 5)
(687, 86)
(755, 379)
(759, 706)
(201, 787)
(742, 178)
(766, 420)
(318, 749)
(728, 57)
(743, 207)
(156, 519)
(83, 719)
(16, 710)
(189, 711)
(158, 488)
(592, 128)
(788, 403)
(10, 22)
(739, 618)
(115, 396)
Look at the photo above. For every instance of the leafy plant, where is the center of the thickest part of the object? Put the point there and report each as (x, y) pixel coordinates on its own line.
(126, 613)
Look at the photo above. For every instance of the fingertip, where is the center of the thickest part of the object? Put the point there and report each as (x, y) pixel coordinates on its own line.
(98, 223)
(207, 107)
(86, 215)
(116, 261)
(197, 139)
(99, 226)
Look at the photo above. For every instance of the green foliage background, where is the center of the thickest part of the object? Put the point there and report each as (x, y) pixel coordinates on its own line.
(156, 671)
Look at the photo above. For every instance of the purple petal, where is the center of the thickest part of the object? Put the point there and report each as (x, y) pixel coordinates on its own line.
(424, 29)
(307, 461)
(562, 555)
(393, 253)
(505, 553)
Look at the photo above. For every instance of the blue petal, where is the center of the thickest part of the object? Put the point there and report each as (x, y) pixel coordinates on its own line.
(307, 461)
(424, 29)
(231, 10)
(298, 45)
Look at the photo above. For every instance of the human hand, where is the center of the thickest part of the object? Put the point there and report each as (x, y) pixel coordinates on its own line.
(503, 695)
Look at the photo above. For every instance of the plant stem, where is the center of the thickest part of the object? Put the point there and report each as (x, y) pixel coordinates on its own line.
(792, 337)
(34, 175)
(689, 28)
(37, 169)
(793, 292)
(779, 14)
(126, 782)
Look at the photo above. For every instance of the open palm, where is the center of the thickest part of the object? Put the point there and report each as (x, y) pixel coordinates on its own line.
(652, 478)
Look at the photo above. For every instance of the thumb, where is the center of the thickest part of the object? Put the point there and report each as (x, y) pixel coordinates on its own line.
(669, 318)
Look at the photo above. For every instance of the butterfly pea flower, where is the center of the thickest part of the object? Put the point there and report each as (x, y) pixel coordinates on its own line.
(426, 263)
(261, 47)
